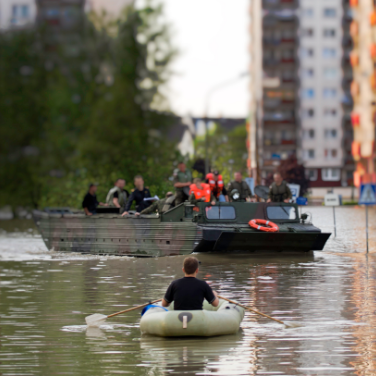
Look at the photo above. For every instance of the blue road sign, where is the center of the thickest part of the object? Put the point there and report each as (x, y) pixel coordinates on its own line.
(367, 194)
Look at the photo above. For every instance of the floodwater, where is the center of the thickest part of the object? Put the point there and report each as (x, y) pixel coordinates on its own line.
(45, 296)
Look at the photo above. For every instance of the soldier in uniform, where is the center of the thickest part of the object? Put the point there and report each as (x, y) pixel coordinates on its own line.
(117, 196)
(138, 195)
(182, 182)
(160, 206)
(279, 191)
(241, 186)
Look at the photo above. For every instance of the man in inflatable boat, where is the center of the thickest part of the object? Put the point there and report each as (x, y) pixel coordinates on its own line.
(188, 293)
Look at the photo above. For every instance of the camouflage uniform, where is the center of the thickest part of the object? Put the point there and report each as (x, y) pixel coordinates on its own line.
(242, 187)
(160, 206)
(181, 177)
(279, 193)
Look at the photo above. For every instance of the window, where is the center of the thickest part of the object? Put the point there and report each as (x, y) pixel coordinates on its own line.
(308, 73)
(308, 134)
(311, 174)
(329, 33)
(330, 73)
(330, 112)
(329, 12)
(308, 113)
(330, 153)
(307, 52)
(25, 11)
(308, 93)
(281, 212)
(329, 93)
(331, 174)
(308, 12)
(330, 133)
(328, 53)
(307, 32)
(220, 212)
(309, 154)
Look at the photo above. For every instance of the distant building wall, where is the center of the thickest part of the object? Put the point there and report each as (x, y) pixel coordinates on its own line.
(17, 13)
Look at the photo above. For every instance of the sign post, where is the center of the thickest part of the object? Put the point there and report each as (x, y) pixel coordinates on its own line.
(295, 190)
(367, 197)
(332, 199)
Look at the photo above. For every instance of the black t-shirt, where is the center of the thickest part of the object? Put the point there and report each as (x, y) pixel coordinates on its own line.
(90, 202)
(188, 293)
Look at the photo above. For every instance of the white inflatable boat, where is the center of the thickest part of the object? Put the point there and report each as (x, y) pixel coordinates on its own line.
(211, 321)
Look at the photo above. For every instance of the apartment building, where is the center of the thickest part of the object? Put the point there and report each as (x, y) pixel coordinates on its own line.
(16, 13)
(362, 57)
(278, 121)
(321, 94)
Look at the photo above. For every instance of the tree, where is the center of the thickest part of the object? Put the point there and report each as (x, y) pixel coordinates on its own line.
(227, 150)
(88, 112)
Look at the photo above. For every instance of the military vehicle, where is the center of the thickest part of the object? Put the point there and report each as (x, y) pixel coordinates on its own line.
(182, 230)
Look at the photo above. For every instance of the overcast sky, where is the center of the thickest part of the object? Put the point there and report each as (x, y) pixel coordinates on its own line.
(213, 41)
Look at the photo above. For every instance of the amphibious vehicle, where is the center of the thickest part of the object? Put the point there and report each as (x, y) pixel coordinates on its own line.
(182, 230)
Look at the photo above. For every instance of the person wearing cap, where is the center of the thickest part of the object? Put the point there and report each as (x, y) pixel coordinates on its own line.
(160, 206)
(90, 201)
(182, 182)
(215, 180)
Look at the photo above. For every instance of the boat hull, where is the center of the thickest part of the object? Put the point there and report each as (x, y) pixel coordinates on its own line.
(209, 322)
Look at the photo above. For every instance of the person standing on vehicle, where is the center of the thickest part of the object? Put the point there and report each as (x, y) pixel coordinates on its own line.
(215, 180)
(117, 196)
(279, 191)
(138, 195)
(90, 201)
(182, 182)
(241, 186)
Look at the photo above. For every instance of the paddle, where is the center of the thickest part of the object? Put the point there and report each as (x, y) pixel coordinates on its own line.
(97, 319)
(259, 313)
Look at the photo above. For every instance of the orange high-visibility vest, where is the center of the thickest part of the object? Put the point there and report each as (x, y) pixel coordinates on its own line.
(199, 193)
(215, 185)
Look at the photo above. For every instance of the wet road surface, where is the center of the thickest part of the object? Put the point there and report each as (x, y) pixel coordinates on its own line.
(44, 298)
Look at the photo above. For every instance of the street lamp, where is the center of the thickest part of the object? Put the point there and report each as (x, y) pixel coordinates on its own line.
(208, 97)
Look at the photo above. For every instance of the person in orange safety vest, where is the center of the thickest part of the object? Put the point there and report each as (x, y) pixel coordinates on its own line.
(215, 180)
(200, 192)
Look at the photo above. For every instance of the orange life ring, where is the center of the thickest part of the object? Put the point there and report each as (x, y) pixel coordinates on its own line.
(255, 223)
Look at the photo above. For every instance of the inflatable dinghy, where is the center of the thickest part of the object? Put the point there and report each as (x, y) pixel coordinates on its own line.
(211, 321)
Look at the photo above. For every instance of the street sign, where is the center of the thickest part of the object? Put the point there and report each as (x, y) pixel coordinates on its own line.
(251, 184)
(295, 190)
(332, 199)
(367, 194)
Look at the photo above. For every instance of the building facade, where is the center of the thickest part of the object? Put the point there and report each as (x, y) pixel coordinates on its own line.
(321, 134)
(278, 120)
(305, 104)
(362, 14)
(17, 13)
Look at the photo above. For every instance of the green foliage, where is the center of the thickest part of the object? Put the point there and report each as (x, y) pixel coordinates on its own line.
(227, 150)
(89, 111)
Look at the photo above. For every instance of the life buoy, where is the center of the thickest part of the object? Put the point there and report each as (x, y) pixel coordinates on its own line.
(255, 223)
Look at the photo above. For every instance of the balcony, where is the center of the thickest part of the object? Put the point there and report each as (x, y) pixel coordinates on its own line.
(273, 142)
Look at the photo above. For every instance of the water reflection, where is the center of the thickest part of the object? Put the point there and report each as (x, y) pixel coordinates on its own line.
(43, 304)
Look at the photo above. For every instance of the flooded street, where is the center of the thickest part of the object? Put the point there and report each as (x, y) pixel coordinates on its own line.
(45, 296)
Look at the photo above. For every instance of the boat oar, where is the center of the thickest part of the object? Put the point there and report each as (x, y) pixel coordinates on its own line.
(97, 319)
(257, 312)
